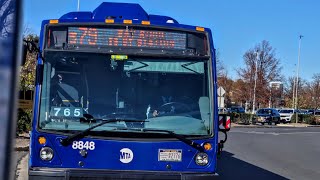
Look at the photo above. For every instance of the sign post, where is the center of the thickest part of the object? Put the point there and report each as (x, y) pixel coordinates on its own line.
(221, 93)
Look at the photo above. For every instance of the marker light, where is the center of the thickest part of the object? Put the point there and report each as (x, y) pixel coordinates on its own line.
(199, 28)
(170, 21)
(207, 146)
(145, 22)
(202, 159)
(46, 153)
(119, 57)
(127, 21)
(109, 21)
(54, 21)
(42, 140)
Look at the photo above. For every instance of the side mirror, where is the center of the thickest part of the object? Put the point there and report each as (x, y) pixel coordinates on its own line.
(31, 46)
(24, 53)
(224, 123)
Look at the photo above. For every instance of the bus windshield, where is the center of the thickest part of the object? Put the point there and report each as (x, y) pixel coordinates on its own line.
(168, 94)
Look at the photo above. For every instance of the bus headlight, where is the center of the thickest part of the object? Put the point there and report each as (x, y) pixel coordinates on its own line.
(202, 159)
(46, 153)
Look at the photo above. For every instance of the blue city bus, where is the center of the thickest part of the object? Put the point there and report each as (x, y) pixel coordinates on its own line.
(122, 94)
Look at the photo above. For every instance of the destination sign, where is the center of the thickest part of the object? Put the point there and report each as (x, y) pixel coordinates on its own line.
(127, 38)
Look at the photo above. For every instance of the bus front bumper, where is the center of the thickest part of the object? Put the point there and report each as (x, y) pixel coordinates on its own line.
(69, 174)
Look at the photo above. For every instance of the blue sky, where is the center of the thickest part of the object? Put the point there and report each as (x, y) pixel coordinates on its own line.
(237, 25)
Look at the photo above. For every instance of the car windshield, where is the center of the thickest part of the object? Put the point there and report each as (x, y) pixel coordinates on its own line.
(286, 111)
(264, 111)
(170, 94)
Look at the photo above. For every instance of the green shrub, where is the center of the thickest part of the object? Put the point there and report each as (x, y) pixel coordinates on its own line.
(307, 119)
(242, 118)
(23, 121)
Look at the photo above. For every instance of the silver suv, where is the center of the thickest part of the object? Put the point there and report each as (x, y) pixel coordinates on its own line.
(286, 115)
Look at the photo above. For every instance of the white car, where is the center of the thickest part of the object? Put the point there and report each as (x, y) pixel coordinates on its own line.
(286, 114)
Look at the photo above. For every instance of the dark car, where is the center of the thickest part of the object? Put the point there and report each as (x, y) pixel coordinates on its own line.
(268, 115)
(237, 109)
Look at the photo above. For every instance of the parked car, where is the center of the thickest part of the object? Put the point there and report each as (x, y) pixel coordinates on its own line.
(222, 110)
(311, 111)
(268, 115)
(237, 109)
(286, 115)
(317, 113)
(303, 111)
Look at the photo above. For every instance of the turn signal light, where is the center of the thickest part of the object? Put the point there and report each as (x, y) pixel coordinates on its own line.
(42, 140)
(207, 146)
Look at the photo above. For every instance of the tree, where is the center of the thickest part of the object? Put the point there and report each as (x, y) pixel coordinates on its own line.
(240, 92)
(268, 69)
(7, 10)
(27, 72)
(313, 92)
(289, 89)
(221, 70)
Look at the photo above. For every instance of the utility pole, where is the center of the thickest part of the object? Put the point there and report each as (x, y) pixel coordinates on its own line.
(297, 84)
(255, 83)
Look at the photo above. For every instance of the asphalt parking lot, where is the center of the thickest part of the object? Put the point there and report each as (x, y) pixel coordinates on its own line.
(259, 153)
(271, 153)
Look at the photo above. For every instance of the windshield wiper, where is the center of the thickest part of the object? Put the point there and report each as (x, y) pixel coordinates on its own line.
(171, 133)
(66, 141)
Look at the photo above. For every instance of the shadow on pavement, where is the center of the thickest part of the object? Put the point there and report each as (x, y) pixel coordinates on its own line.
(230, 167)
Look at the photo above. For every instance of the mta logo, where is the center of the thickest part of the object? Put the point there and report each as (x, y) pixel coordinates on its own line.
(126, 155)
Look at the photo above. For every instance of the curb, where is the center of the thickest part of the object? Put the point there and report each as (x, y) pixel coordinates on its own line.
(25, 148)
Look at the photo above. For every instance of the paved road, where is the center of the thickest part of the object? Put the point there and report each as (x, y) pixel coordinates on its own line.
(271, 153)
(267, 153)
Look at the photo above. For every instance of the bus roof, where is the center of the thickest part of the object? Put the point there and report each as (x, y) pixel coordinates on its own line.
(118, 11)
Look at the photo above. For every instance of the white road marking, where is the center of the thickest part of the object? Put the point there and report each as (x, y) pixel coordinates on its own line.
(274, 133)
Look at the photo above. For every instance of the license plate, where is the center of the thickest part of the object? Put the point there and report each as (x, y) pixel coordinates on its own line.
(170, 155)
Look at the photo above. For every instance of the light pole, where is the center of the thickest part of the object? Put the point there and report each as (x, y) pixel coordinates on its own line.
(255, 83)
(293, 91)
(270, 86)
(78, 5)
(297, 84)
